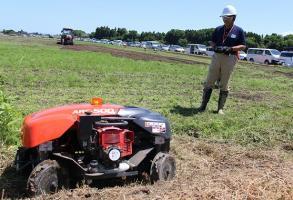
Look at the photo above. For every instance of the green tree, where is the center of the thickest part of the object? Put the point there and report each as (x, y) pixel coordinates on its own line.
(173, 36)
(251, 43)
(131, 36)
(121, 32)
(288, 41)
(274, 41)
(183, 42)
(79, 33)
(103, 32)
(147, 36)
(8, 32)
(257, 40)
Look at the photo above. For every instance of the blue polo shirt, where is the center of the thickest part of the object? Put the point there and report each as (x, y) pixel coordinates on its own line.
(235, 37)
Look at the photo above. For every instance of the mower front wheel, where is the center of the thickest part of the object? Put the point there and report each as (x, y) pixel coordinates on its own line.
(45, 178)
(163, 167)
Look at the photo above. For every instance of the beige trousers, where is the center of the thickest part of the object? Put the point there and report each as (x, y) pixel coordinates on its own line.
(221, 69)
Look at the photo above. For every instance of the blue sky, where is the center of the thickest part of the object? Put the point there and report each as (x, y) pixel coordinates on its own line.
(259, 16)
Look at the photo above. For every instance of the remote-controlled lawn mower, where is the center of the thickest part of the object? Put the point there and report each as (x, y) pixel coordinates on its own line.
(96, 141)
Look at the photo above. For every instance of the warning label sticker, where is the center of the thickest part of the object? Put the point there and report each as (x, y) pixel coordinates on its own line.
(157, 127)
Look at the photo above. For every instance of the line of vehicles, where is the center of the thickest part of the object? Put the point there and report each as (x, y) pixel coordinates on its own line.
(270, 56)
(256, 55)
(155, 45)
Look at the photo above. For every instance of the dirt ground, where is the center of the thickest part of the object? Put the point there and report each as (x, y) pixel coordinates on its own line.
(153, 57)
(205, 170)
(131, 54)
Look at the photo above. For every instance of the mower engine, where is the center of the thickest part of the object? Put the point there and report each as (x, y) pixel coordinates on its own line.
(115, 142)
(93, 142)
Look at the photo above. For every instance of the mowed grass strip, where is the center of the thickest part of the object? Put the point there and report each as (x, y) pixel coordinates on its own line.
(40, 75)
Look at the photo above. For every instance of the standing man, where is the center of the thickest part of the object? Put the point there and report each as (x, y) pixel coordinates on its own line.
(227, 40)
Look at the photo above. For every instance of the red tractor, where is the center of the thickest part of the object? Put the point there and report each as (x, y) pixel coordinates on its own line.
(96, 141)
(67, 36)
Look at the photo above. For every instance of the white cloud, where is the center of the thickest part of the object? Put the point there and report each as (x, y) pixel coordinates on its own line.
(287, 33)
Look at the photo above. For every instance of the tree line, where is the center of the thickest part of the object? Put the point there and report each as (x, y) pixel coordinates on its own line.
(184, 37)
(180, 37)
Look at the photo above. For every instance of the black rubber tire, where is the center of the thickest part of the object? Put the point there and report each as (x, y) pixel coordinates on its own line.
(251, 60)
(20, 161)
(266, 62)
(44, 178)
(163, 167)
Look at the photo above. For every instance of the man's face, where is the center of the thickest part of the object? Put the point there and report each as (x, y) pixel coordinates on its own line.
(227, 19)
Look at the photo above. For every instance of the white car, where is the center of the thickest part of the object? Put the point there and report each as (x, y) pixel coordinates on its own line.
(176, 48)
(210, 51)
(242, 55)
(263, 56)
(286, 58)
(117, 42)
(199, 49)
(165, 47)
(105, 41)
(143, 44)
(153, 45)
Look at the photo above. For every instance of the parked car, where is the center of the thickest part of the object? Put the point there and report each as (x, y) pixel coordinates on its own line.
(242, 55)
(134, 44)
(286, 58)
(105, 41)
(117, 42)
(210, 51)
(143, 44)
(165, 47)
(265, 56)
(176, 48)
(153, 45)
(199, 49)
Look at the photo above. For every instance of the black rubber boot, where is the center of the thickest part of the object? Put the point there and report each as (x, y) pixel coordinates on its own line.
(222, 100)
(205, 99)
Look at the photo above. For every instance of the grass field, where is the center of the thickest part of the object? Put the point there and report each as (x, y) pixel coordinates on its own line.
(38, 74)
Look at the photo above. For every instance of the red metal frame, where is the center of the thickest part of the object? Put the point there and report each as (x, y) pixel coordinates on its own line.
(52, 123)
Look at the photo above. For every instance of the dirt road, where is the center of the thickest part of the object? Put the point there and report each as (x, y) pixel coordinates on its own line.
(131, 54)
(135, 55)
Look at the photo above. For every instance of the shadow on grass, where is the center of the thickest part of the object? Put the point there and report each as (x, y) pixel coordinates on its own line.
(12, 184)
(184, 111)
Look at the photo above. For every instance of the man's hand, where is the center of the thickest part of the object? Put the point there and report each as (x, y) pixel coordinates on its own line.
(223, 49)
(227, 50)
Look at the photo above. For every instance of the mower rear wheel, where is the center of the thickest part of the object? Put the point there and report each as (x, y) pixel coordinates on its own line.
(163, 167)
(44, 178)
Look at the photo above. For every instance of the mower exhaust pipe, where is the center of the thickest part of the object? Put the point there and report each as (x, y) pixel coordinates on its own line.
(123, 166)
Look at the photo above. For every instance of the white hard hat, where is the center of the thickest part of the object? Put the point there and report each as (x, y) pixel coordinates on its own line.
(228, 11)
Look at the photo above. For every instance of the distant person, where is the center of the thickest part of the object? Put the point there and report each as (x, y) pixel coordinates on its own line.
(227, 41)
